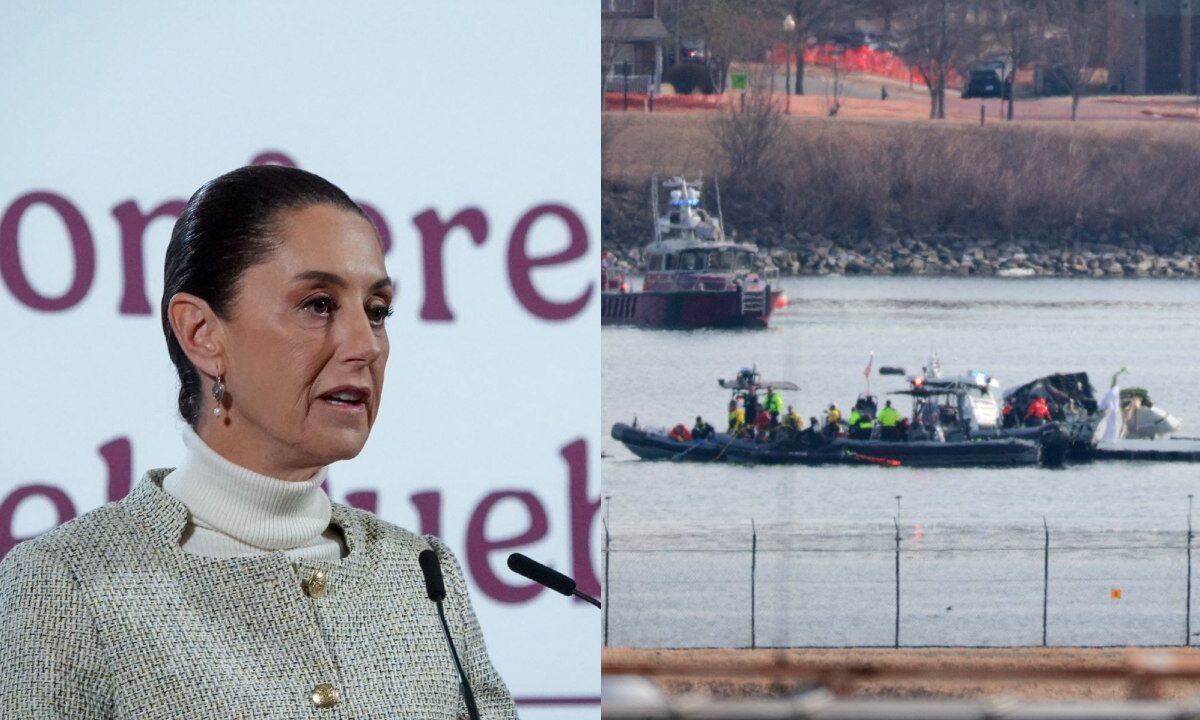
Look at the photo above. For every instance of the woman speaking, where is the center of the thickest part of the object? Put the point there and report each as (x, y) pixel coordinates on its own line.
(230, 586)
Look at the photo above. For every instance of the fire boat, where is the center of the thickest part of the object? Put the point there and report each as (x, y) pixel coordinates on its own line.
(694, 276)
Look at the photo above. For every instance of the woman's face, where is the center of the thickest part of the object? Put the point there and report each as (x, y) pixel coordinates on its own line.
(306, 345)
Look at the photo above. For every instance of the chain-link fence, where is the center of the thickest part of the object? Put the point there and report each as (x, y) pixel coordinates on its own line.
(897, 585)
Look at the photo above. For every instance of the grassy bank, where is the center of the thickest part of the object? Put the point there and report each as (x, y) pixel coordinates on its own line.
(1095, 187)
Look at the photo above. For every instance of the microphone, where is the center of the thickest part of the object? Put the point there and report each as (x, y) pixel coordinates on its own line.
(549, 577)
(435, 587)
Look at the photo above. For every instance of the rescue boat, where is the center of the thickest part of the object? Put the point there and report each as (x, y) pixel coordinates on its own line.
(693, 275)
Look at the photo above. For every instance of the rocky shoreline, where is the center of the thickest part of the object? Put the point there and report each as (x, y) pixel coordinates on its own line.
(803, 254)
(1071, 252)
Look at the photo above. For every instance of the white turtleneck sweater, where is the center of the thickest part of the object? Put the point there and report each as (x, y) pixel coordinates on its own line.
(237, 512)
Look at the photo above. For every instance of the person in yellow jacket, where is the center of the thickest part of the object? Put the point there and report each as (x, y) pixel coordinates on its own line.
(773, 405)
(833, 420)
(889, 418)
(793, 419)
(860, 424)
(737, 417)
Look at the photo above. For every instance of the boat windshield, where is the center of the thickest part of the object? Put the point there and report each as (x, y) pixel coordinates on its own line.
(729, 259)
(693, 260)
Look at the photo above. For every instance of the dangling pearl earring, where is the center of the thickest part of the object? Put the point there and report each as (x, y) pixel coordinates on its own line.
(218, 392)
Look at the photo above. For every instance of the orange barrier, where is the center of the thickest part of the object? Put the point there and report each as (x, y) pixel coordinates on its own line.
(860, 59)
(662, 103)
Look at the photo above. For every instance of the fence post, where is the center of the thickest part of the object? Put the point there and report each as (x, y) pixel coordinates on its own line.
(1045, 580)
(1187, 627)
(753, 568)
(896, 521)
(607, 556)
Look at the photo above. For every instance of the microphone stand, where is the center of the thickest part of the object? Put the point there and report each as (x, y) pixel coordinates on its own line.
(468, 696)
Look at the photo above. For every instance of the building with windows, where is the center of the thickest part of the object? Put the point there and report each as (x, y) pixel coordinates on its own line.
(631, 37)
(1153, 46)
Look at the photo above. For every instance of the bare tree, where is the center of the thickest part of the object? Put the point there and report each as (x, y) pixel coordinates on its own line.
(1073, 33)
(747, 134)
(814, 17)
(1017, 35)
(938, 35)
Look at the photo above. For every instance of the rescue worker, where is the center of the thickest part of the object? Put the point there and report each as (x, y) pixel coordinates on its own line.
(888, 419)
(1038, 412)
(680, 433)
(737, 417)
(866, 424)
(1009, 414)
(793, 419)
(833, 421)
(774, 405)
(702, 430)
(762, 422)
(752, 404)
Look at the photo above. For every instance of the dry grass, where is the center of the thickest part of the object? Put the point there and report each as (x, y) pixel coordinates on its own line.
(858, 177)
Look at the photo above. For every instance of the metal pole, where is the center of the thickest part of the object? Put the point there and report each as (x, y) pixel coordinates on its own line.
(607, 556)
(753, 567)
(787, 78)
(1045, 581)
(982, 111)
(896, 520)
(625, 71)
(1187, 627)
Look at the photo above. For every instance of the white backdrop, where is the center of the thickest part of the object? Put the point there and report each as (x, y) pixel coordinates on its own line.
(490, 420)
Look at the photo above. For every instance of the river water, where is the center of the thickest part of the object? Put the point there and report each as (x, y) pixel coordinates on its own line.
(973, 562)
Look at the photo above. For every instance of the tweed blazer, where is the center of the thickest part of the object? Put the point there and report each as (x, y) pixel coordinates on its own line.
(107, 617)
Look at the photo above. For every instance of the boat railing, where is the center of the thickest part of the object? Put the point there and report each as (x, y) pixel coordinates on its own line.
(753, 302)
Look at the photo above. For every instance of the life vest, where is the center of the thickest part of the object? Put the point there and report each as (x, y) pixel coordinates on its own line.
(680, 433)
(794, 420)
(889, 416)
(1038, 409)
(834, 417)
(774, 403)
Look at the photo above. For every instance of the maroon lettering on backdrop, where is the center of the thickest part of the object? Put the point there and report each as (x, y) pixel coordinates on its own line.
(118, 456)
(273, 157)
(521, 265)
(429, 512)
(133, 223)
(81, 247)
(433, 238)
(363, 500)
(8, 510)
(583, 516)
(480, 547)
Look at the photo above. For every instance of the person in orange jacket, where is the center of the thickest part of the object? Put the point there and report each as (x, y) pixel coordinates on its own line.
(680, 433)
(1038, 412)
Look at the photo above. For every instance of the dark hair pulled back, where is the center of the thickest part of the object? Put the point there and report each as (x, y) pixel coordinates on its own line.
(227, 227)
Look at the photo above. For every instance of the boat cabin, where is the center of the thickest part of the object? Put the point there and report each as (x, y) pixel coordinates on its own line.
(954, 408)
(690, 250)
